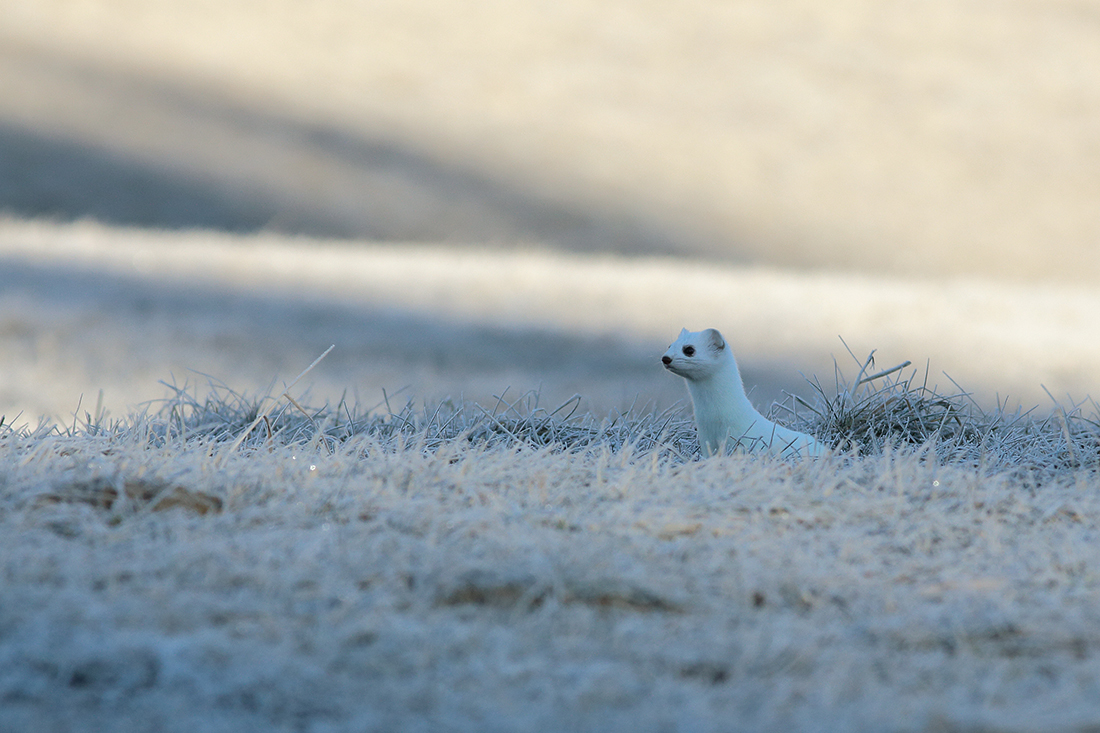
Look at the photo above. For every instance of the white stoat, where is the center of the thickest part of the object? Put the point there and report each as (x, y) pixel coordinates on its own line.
(723, 414)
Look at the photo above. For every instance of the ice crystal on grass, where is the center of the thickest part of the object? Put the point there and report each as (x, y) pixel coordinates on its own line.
(223, 415)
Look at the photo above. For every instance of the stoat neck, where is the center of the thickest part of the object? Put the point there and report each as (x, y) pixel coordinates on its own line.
(720, 398)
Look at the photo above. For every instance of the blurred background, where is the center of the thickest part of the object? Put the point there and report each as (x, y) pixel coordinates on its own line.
(539, 195)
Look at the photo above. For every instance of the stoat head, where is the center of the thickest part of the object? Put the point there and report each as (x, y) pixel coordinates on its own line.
(696, 354)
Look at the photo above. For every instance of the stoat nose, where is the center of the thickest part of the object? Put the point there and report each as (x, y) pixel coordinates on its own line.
(666, 360)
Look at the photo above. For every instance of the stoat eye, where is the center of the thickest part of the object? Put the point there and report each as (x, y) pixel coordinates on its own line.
(689, 351)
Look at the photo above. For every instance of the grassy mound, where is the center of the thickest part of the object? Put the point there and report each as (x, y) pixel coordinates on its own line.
(894, 407)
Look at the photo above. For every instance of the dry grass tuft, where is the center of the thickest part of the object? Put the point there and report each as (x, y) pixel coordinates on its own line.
(892, 407)
(138, 492)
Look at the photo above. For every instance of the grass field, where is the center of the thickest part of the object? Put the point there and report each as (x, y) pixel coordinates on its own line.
(483, 510)
(397, 560)
(517, 568)
(405, 566)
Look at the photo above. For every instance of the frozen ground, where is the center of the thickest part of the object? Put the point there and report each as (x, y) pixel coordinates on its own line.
(531, 196)
(155, 579)
(152, 585)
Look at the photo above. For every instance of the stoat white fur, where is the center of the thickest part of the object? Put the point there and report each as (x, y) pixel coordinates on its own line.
(724, 416)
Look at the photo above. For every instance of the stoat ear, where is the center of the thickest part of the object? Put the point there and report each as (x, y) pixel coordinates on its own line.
(683, 332)
(715, 339)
